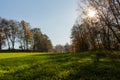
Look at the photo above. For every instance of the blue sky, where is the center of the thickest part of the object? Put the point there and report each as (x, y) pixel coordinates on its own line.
(54, 17)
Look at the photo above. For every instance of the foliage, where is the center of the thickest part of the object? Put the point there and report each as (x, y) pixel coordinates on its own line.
(67, 48)
(19, 33)
(41, 42)
(27, 38)
(99, 32)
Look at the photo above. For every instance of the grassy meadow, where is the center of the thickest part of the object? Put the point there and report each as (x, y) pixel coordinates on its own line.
(49, 66)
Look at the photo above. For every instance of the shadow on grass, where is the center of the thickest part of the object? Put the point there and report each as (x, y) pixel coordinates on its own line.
(60, 67)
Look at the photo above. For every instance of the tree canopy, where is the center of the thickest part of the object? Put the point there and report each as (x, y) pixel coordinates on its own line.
(14, 33)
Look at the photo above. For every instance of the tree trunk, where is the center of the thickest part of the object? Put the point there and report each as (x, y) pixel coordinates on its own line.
(13, 45)
(0, 45)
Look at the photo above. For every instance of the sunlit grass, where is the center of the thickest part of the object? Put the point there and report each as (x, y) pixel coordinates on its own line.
(47, 66)
(19, 54)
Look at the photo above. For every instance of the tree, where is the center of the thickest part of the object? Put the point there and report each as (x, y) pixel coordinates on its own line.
(59, 49)
(47, 45)
(36, 38)
(3, 32)
(99, 31)
(41, 42)
(2, 39)
(67, 48)
(19, 33)
(13, 30)
(79, 38)
(108, 11)
(27, 34)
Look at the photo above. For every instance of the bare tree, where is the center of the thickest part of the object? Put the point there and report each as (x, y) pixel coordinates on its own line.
(13, 29)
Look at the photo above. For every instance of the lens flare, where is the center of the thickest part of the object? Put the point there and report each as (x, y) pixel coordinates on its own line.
(91, 13)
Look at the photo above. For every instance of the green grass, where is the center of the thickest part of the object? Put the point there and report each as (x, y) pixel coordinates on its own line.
(42, 66)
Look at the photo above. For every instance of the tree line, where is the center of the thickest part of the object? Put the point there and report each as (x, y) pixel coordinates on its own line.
(14, 33)
(67, 48)
(100, 32)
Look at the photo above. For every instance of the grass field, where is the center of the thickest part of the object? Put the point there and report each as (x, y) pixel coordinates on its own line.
(42, 66)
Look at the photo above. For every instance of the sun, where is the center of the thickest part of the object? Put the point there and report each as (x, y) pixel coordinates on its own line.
(91, 13)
